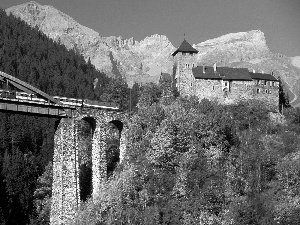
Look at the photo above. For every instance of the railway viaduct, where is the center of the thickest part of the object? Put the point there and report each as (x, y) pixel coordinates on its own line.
(66, 158)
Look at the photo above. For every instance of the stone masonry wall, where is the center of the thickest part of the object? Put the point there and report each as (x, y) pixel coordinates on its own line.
(99, 157)
(268, 93)
(237, 90)
(209, 89)
(65, 188)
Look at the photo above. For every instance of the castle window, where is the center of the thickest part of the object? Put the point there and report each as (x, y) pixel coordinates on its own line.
(213, 88)
(225, 92)
(266, 91)
(193, 65)
(265, 82)
(273, 83)
(257, 90)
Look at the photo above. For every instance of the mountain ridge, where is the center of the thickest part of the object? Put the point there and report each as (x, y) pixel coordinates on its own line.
(143, 61)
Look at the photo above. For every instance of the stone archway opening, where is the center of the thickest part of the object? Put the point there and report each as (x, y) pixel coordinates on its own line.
(115, 128)
(86, 127)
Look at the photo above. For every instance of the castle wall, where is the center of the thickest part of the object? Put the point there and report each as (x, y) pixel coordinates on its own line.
(240, 90)
(237, 90)
(210, 89)
(268, 93)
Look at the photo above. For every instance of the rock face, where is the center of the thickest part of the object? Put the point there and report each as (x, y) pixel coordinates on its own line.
(236, 47)
(133, 59)
(144, 61)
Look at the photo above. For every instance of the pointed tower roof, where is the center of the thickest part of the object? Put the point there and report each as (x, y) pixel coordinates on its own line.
(185, 47)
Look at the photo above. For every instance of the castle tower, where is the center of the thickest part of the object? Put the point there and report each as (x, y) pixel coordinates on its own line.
(185, 60)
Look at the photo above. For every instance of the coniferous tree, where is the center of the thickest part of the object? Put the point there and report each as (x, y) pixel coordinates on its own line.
(284, 101)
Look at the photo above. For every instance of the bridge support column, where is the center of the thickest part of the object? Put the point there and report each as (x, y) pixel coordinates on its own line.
(65, 187)
(123, 144)
(99, 158)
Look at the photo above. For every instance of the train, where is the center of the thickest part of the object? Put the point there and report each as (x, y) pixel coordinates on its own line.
(20, 95)
(24, 96)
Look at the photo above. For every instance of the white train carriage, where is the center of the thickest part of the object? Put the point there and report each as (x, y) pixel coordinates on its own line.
(23, 96)
(103, 105)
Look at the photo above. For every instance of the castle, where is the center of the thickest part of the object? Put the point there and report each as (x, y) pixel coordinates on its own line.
(223, 84)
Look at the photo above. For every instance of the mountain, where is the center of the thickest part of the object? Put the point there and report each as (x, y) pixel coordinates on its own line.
(144, 61)
(126, 57)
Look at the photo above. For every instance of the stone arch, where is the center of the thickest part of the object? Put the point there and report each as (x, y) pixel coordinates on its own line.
(118, 123)
(113, 145)
(85, 131)
(91, 121)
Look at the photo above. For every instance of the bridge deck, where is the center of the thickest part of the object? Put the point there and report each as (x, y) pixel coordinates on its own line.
(33, 100)
(61, 109)
(44, 108)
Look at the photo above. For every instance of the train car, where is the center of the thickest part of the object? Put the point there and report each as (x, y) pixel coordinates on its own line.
(23, 96)
(79, 102)
(35, 98)
(72, 101)
(7, 94)
(64, 100)
(96, 104)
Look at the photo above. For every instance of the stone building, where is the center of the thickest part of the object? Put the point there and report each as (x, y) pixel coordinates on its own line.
(223, 84)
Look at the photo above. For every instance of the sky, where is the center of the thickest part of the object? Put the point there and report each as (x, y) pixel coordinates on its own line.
(199, 20)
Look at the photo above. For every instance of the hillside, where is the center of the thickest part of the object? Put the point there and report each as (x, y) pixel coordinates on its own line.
(143, 61)
(26, 146)
(134, 59)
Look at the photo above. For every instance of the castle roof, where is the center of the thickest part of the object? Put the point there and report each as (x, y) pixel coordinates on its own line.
(263, 76)
(185, 47)
(222, 73)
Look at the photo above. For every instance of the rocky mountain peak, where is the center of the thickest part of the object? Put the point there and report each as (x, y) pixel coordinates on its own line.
(255, 36)
(233, 47)
(49, 20)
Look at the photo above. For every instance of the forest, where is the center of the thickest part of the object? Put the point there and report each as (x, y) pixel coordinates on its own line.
(190, 162)
(26, 146)
(187, 161)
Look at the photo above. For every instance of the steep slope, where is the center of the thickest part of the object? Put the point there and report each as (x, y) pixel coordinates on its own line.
(133, 59)
(143, 61)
